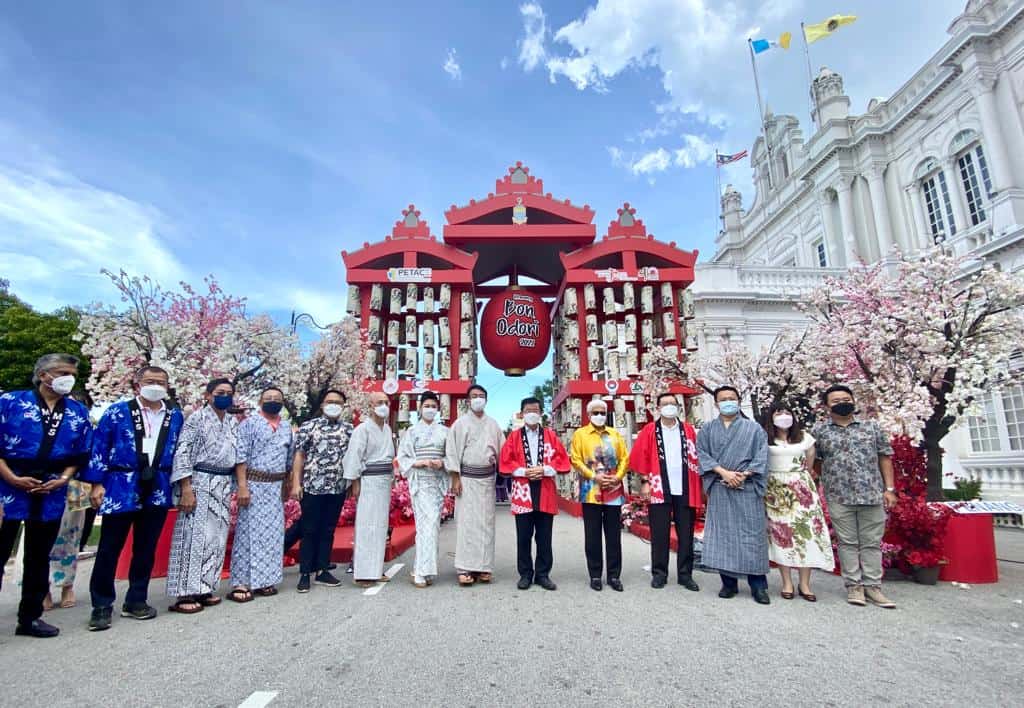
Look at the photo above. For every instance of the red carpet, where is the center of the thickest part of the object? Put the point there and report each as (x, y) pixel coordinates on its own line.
(402, 539)
(573, 508)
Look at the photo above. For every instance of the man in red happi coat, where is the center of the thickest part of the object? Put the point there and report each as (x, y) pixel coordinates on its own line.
(533, 455)
(665, 453)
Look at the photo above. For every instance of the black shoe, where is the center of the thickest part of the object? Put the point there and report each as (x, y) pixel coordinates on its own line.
(324, 577)
(726, 593)
(687, 582)
(37, 628)
(524, 582)
(615, 584)
(658, 582)
(100, 619)
(546, 584)
(595, 584)
(332, 566)
(303, 585)
(761, 597)
(139, 612)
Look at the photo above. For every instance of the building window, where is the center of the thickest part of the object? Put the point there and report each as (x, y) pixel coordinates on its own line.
(984, 427)
(821, 253)
(938, 206)
(1013, 410)
(976, 182)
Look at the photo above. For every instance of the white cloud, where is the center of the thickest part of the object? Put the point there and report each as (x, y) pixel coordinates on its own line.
(451, 66)
(503, 63)
(695, 150)
(531, 46)
(57, 232)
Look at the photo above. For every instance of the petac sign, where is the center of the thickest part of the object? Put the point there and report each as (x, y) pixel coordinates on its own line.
(515, 331)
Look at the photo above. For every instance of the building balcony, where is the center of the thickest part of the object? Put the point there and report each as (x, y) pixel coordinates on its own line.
(758, 281)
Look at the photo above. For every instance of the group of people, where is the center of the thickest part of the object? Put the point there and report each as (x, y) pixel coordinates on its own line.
(144, 457)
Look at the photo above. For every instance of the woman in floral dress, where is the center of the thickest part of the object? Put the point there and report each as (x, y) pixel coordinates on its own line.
(797, 534)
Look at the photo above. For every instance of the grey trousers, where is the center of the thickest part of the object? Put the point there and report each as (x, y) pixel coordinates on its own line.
(859, 529)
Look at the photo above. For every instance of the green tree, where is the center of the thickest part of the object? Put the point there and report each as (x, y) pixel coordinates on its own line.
(25, 335)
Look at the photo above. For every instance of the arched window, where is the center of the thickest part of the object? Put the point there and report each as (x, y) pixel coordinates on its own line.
(974, 176)
(936, 198)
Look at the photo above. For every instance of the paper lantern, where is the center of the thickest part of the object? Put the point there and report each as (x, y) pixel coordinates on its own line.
(515, 331)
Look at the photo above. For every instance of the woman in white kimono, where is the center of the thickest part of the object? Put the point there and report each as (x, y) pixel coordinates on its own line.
(421, 461)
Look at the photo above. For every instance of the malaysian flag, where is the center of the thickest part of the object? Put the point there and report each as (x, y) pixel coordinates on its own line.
(729, 159)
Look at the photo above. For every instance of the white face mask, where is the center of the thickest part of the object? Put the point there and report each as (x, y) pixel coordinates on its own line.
(598, 419)
(428, 414)
(477, 405)
(153, 392)
(332, 410)
(382, 411)
(783, 421)
(63, 384)
(670, 411)
(531, 419)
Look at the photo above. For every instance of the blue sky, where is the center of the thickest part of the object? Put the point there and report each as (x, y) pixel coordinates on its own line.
(255, 141)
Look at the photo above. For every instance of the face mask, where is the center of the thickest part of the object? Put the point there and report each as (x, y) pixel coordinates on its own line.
(63, 384)
(478, 404)
(222, 403)
(532, 419)
(272, 407)
(844, 409)
(332, 410)
(670, 411)
(428, 414)
(598, 419)
(382, 411)
(729, 407)
(783, 421)
(153, 392)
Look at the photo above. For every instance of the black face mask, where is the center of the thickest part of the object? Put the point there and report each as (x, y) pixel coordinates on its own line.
(844, 409)
(272, 407)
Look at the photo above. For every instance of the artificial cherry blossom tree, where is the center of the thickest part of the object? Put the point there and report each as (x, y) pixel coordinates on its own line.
(338, 360)
(195, 336)
(782, 373)
(920, 341)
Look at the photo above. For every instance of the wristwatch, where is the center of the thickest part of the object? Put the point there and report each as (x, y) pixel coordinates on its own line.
(891, 489)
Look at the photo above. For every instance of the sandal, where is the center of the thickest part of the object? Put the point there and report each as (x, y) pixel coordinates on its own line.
(208, 600)
(466, 579)
(266, 592)
(67, 598)
(384, 579)
(485, 577)
(787, 595)
(809, 596)
(186, 606)
(365, 583)
(420, 583)
(240, 595)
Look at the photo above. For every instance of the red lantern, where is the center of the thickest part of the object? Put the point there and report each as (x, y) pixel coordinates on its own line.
(515, 331)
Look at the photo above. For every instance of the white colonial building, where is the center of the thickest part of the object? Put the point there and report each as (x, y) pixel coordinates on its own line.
(942, 159)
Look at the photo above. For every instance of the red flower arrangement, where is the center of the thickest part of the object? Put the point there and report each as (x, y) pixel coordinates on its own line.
(915, 530)
(401, 506)
(635, 511)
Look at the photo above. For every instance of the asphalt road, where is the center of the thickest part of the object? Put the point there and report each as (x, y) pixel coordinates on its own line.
(496, 645)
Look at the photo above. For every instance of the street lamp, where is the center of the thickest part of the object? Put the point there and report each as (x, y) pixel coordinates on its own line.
(306, 319)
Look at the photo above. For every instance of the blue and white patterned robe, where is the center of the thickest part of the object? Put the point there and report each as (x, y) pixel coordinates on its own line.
(21, 433)
(114, 462)
(256, 558)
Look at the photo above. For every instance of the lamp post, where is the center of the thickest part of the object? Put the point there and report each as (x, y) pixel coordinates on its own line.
(306, 319)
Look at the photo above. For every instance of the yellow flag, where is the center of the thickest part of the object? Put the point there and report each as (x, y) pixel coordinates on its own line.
(784, 40)
(812, 33)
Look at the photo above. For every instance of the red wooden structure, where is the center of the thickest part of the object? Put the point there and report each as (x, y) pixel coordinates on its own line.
(611, 300)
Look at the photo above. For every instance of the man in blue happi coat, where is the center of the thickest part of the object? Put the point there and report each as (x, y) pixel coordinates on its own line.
(44, 439)
(130, 469)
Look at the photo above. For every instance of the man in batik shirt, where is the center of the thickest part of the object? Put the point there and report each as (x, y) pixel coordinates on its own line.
(318, 482)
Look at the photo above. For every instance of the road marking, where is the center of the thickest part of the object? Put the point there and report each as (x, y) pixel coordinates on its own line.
(391, 573)
(258, 699)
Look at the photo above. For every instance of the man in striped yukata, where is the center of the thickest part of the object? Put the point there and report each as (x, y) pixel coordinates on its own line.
(369, 464)
(733, 455)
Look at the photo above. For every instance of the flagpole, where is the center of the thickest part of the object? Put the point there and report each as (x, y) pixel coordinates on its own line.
(810, 75)
(760, 111)
(718, 194)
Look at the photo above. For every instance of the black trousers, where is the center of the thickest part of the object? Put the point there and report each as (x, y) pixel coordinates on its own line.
(90, 520)
(319, 519)
(292, 535)
(35, 582)
(537, 525)
(606, 518)
(675, 509)
(146, 524)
